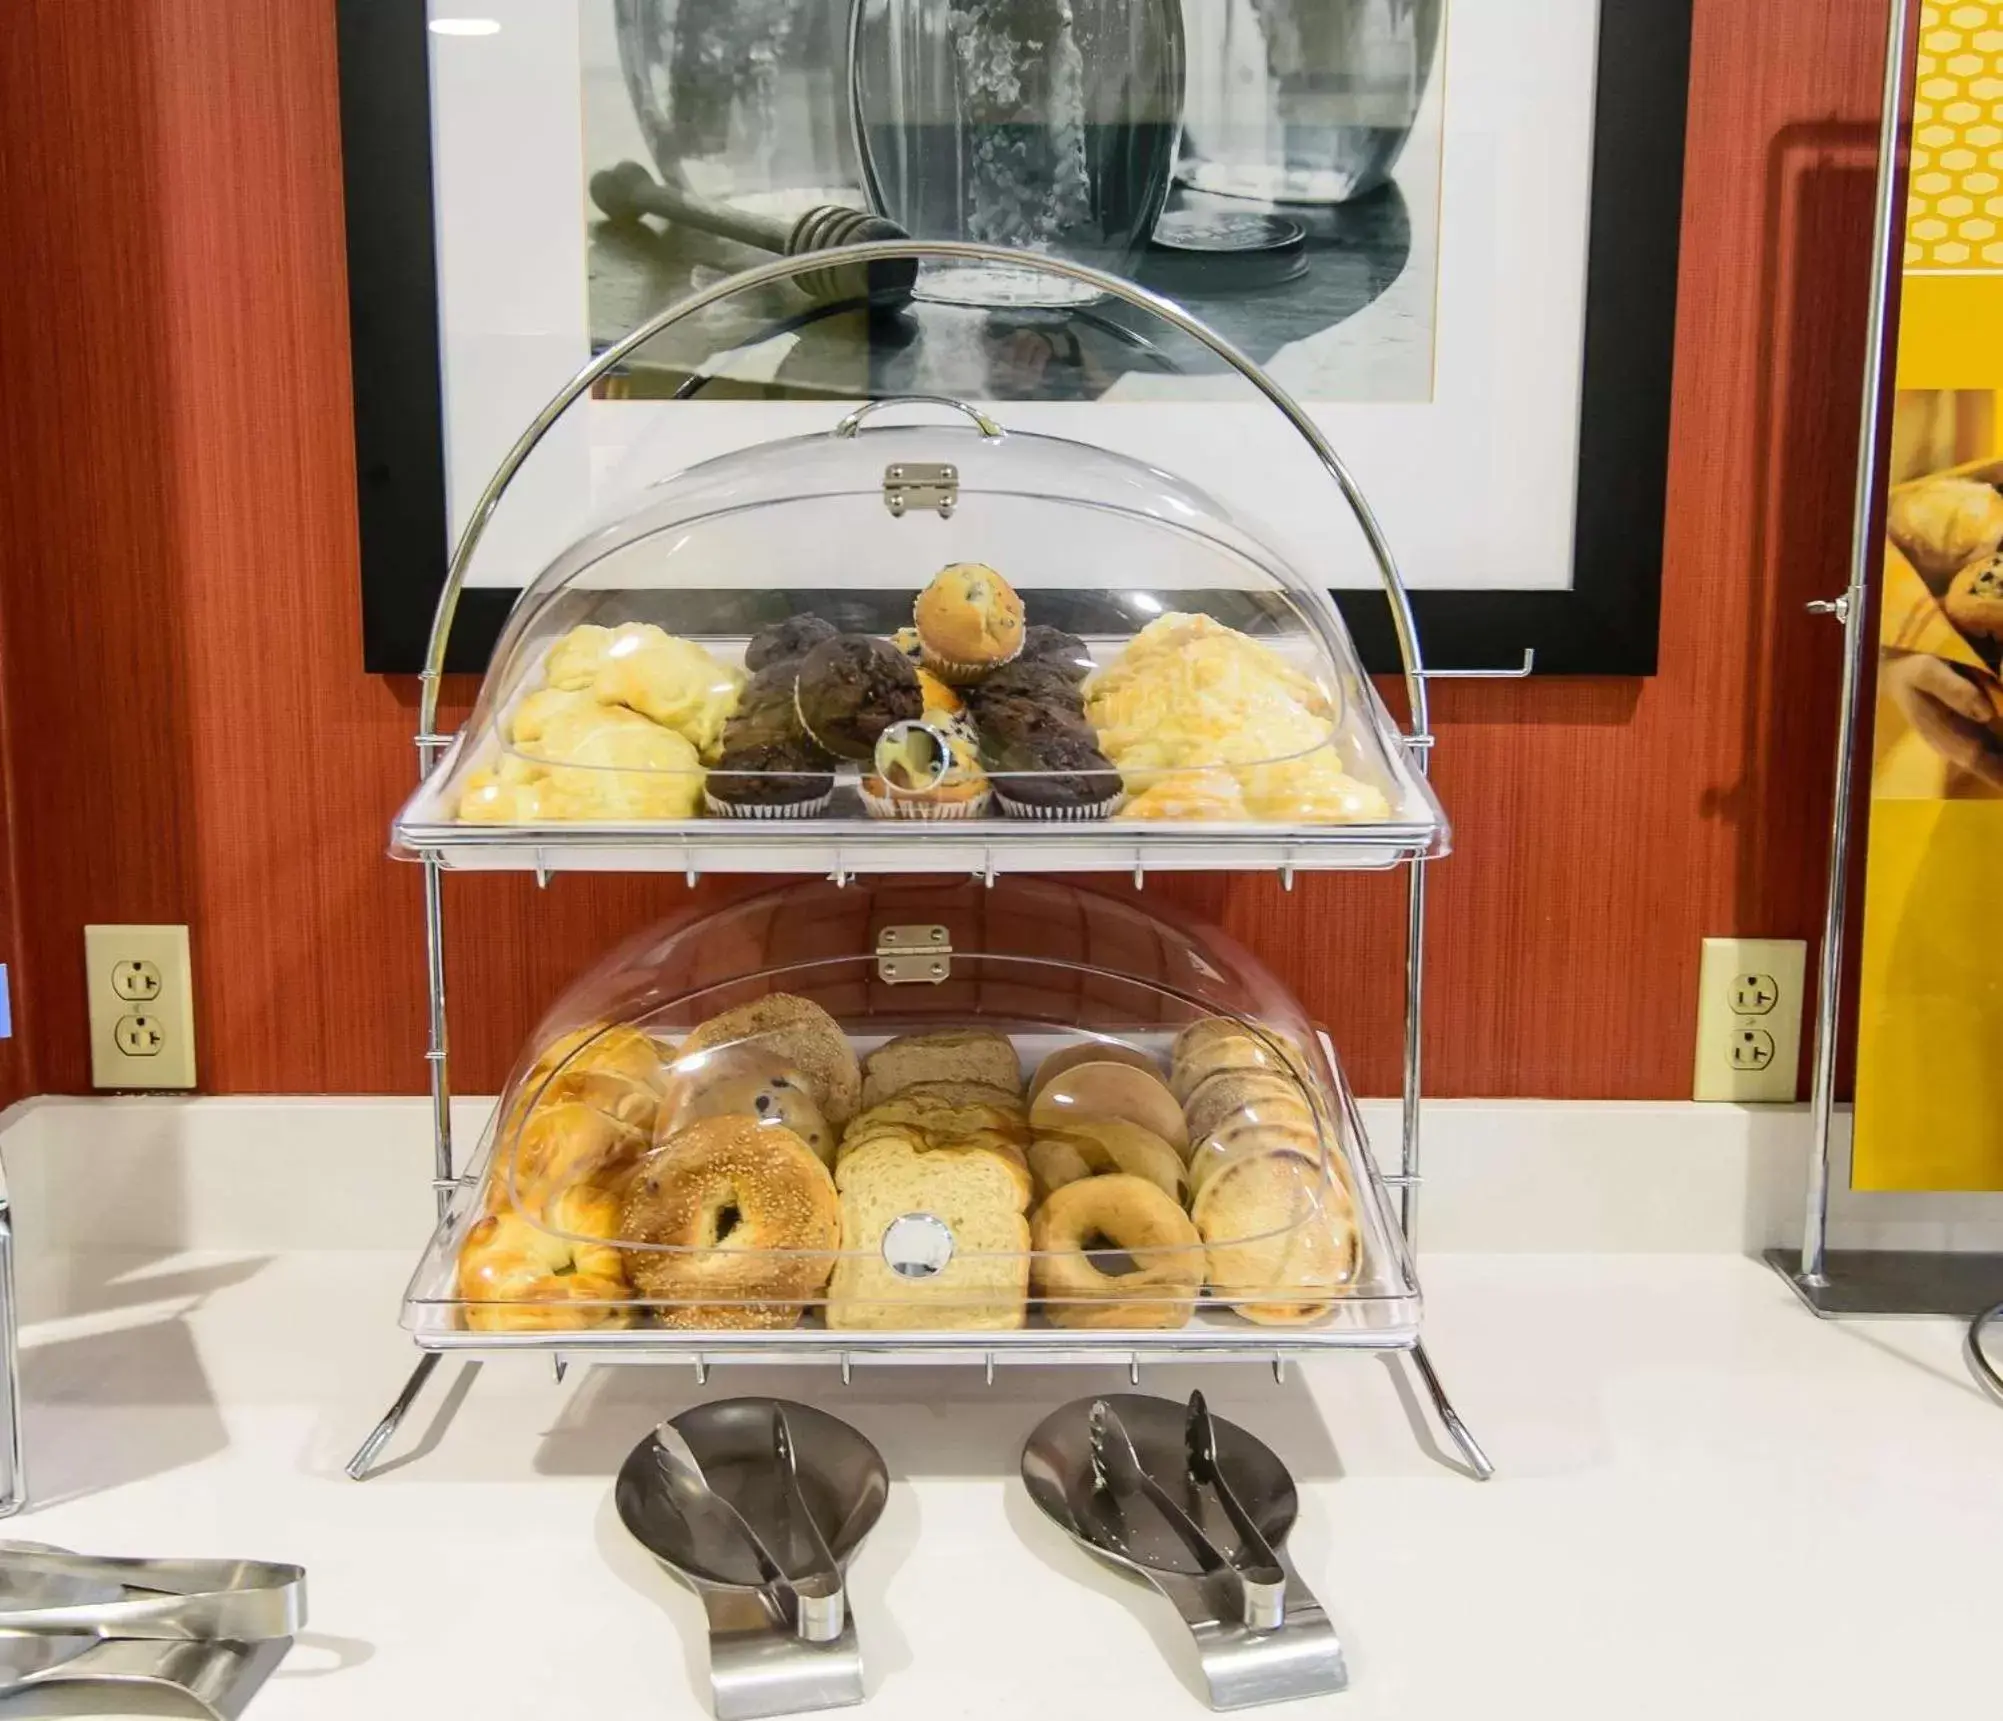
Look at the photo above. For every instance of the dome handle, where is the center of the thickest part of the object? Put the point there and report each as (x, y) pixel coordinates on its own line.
(852, 422)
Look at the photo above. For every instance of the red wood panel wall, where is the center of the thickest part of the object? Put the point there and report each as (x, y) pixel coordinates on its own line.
(189, 736)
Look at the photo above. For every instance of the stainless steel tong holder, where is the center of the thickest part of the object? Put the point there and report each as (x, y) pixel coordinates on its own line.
(754, 1502)
(1221, 1594)
(206, 1633)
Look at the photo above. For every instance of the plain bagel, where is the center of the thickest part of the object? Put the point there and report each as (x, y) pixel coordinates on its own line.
(1128, 1214)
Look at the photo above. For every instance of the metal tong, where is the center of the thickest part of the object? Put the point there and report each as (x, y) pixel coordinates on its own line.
(185, 1601)
(1255, 1580)
(805, 1585)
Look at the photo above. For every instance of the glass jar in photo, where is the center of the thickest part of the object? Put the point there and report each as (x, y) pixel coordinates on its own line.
(1039, 125)
(1303, 101)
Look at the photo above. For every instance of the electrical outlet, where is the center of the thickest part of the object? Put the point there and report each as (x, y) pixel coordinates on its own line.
(1750, 994)
(142, 1006)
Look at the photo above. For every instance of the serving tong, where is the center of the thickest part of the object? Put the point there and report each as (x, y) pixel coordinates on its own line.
(758, 1505)
(1199, 1508)
(204, 1632)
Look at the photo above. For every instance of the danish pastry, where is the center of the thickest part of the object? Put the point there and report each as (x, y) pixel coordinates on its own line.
(562, 1274)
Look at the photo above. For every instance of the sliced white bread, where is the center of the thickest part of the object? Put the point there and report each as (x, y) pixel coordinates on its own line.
(980, 1198)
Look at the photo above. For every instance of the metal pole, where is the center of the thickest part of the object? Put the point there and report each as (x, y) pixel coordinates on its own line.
(1415, 999)
(1851, 611)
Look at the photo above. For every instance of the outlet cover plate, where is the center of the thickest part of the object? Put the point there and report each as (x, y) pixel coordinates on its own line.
(142, 994)
(1750, 995)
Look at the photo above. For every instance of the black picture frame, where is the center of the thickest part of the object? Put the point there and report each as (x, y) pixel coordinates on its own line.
(1605, 623)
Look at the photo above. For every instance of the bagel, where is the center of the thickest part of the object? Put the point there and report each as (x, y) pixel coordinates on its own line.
(1131, 1216)
(568, 1145)
(1283, 1239)
(516, 1276)
(1238, 1141)
(799, 1034)
(1236, 1097)
(1093, 1147)
(1111, 1090)
(743, 1082)
(734, 1224)
(1217, 1043)
(1088, 1052)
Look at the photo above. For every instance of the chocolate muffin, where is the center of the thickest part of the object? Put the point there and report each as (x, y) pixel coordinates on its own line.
(794, 637)
(1062, 777)
(1061, 650)
(1019, 719)
(851, 689)
(765, 712)
(1046, 683)
(772, 779)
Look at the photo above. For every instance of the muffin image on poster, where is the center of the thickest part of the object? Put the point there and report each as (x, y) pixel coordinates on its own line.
(1272, 165)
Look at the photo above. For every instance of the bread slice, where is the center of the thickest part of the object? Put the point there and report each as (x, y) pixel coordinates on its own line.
(977, 1194)
(951, 1055)
(939, 1119)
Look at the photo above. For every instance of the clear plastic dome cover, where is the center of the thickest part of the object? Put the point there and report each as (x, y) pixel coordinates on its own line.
(926, 623)
(918, 1107)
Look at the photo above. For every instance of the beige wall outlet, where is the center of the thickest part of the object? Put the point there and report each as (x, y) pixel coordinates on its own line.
(1749, 1003)
(142, 1006)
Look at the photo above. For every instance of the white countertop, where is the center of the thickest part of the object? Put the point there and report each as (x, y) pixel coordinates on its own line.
(1708, 1503)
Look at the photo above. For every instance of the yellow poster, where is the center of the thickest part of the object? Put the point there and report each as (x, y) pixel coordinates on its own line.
(1930, 1015)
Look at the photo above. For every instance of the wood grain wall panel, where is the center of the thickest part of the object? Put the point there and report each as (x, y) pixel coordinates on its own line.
(190, 737)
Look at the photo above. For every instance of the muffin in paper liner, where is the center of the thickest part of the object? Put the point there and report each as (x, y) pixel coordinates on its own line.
(810, 809)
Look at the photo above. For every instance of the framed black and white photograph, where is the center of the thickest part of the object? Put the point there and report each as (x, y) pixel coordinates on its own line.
(1447, 227)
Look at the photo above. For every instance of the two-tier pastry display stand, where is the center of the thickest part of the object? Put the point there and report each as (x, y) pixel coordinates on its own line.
(1131, 850)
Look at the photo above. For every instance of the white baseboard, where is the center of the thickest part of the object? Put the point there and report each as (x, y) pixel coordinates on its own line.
(1509, 1176)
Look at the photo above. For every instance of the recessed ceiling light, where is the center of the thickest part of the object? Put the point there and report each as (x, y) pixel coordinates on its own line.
(465, 26)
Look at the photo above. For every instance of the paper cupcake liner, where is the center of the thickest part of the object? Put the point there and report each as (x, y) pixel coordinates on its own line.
(1074, 815)
(963, 674)
(915, 807)
(810, 809)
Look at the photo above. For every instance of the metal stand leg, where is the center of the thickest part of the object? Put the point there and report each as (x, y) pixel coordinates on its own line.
(370, 1450)
(1979, 1364)
(1450, 1418)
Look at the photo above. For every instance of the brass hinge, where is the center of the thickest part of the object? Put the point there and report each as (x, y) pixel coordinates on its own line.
(913, 955)
(909, 484)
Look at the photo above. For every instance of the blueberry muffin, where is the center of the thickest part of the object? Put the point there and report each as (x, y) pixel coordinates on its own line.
(768, 780)
(851, 689)
(969, 623)
(792, 638)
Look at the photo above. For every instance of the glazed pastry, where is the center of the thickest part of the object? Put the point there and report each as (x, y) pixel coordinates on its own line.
(1062, 777)
(1124, 1214)
(562, 1146)
(1313, 790)
(604, 762)
(797, 1033)
(1943, 524)
(1187, 795)
(746, 1084)
(787, 640)
(535, 713)
(488, 799)
(673, 681)
(1063, 651)
(851, 689)
(517, 1275)
(969, 622)
(769, 780)
(1974, 599)
(736, 1225)
(925, 772)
